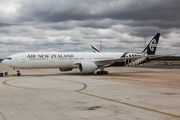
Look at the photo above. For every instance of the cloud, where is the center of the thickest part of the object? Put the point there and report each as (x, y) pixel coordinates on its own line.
(63, 25)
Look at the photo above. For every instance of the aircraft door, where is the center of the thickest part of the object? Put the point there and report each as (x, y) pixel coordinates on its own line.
(89, 57)
(51, 60)
(22, 59)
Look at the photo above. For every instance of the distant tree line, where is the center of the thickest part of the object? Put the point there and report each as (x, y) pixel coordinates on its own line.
(1, 60)
(169, 58)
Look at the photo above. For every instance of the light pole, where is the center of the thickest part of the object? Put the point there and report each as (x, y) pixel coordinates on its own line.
(145, 41)
(100, 47)
(145, 44)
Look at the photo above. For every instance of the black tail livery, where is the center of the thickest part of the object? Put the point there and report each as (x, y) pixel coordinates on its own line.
(151, 47)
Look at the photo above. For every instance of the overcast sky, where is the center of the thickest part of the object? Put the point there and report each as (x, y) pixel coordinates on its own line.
(72, 25)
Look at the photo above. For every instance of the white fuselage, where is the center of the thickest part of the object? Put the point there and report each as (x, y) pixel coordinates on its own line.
(34, 60)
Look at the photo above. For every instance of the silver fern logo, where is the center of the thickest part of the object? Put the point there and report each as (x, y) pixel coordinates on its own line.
(152, 45)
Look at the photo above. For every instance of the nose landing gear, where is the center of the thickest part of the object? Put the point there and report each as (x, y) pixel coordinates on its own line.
(18, 72)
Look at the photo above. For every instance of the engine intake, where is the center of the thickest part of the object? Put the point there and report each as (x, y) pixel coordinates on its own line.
(87, 67)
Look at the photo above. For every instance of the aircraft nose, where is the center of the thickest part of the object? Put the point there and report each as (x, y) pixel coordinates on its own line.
(4, 62)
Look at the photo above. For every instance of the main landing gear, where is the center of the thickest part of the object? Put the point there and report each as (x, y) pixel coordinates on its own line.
(102, 72)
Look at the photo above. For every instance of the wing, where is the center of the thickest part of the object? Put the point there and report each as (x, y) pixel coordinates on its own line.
(110, 61)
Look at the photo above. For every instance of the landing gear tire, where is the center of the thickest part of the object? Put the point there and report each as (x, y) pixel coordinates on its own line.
(102, 72)
(18, 74)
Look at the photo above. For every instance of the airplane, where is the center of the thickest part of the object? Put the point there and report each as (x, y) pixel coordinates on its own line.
(86, 62)
(95, 49)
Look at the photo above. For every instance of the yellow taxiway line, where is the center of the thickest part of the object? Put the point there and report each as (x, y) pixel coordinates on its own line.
(131, 105)
(49, 91)
(30, 92)
(44, 90)
(5, 82)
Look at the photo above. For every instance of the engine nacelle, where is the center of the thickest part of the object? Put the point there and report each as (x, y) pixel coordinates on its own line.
(65, 69)
(87, 67)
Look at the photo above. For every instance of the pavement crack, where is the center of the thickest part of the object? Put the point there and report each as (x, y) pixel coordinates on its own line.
(2, 116)
(57, 106)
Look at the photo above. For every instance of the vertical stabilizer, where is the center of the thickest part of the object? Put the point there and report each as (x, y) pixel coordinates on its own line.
(151, 47)
(95, 49)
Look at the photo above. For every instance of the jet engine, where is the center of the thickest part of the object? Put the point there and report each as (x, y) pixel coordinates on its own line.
(87, 67)
(65, 69)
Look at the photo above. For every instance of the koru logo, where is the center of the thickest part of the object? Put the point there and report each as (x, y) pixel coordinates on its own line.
(152, 45)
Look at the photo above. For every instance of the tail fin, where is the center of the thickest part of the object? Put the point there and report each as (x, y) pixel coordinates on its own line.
(151, 47)
(95, 49)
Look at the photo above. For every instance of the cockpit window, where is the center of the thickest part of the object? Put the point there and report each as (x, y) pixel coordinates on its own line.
(9, 58)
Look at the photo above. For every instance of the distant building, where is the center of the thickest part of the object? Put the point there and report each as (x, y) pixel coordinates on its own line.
(1, 60)
(169, 58)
